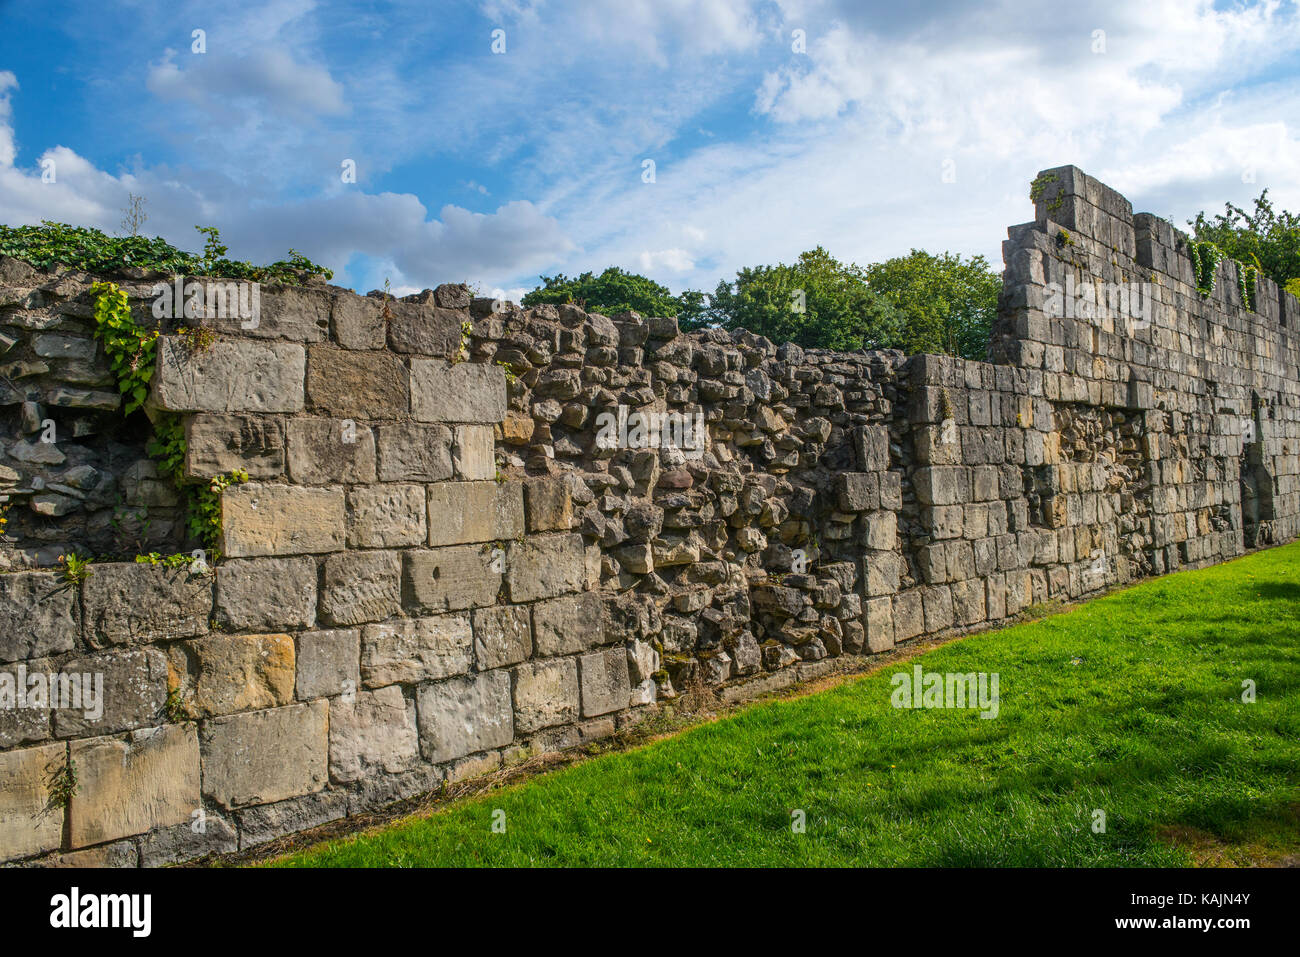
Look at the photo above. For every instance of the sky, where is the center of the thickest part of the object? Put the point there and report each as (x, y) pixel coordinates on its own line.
(500, 141)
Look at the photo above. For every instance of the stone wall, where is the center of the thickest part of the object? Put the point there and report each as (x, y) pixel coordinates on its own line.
(439, 566)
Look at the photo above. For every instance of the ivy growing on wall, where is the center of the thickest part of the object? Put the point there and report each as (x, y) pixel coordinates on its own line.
(1246, 279)
(132, 352)
(1206, 258)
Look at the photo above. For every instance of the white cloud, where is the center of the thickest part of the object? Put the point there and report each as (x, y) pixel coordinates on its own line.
(666, 260)
(267, 80)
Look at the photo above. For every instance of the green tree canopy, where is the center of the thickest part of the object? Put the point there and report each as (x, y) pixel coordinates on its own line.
(816, 302)
(1266, 239)
(948, 303)
(614, 291)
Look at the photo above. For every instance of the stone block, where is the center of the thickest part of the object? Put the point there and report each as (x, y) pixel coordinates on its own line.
(259, 520)
(217, 444)
(257, 825)
(221, 674)
(372, 731)
(605, 684)
(881, 530)
(357, 385)
(452, 578)
(569, 624)
(128, 785)
(266, 594)
(546, 694)
(463, 715)
(425, 329)
(878, 619)
(465, 512)
(30, 723)
(386, 516)
(942, 485)
(39, 615)
(231, 375)
(872, 446)
(125, 603)
(937, 604)
(503, 636)
(545, 566)
(199, 837)
(361, 587)
(474, 454)
(858, 491)
(117, 691)
(298, 313)
(909, 616)
(464, 392)
(328, 663)
(410, 452)
(359, 321)
(549, 505)
(410, 650)
(28, 825)
(324, 451)
(260, 757)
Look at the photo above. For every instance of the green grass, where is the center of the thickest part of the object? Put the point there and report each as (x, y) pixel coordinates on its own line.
(1131, 704)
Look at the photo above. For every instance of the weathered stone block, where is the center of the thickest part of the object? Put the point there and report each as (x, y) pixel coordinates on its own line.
(502, 636)
(111, 692)
(569, 624)
(281, 520)
(231, 375)
(453, 578)
(299, 313)
(329, 663)
(217, 444)
(465, 512)
(39, 615)
(257, 825)
(425, 329)
(410, 452)
(605, 684)
(128, 785)
(136, 603)
(359, 321)
(361, 587)
(411, 650)
(266, 594)
(225, 673)
(545, 566)
(372, 730)
(29, 724)
(386, 516)
(265, 756)
(371, 385)
(858, 491)
(463, 715)
(199, 837)
(942, 485)
(872, 445)
(27, 824)
(909, 617)
(878, 619)
(324, 451)
(549, 505)
(546, 694)
(475, 453)
(464, 392)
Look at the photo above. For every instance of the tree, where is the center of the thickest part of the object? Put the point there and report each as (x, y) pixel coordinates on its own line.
(948, 304)
(612, 292)
(1265, 239)
(133, 214)
(817, 302)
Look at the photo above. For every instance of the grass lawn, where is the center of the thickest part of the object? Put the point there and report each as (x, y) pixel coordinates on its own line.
(1131, 704)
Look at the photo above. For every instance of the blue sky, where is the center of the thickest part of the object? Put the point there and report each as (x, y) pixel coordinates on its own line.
(773, 126)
